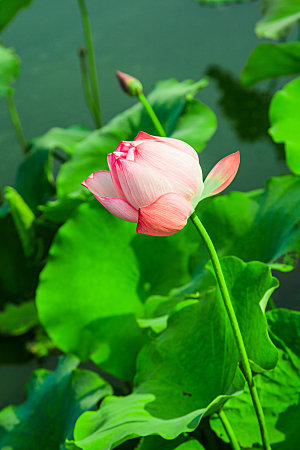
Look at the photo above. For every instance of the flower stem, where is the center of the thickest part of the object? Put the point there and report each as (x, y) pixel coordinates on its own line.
(151, 114)
(92, 62)
(86, 83)
(244, 362)
(230, 433)
(16, 121)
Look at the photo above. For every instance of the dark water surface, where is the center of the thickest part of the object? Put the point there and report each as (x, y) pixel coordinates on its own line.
(152, 40)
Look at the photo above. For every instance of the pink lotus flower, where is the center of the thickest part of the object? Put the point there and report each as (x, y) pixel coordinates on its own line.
(156, 182)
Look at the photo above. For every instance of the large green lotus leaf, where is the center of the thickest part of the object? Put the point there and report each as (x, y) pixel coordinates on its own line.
(59, 211)
(23, 219)
(181, 115)
(278, 390)
(196, 117)
(181, 443)
(55, 400)
(156, 312)
(284, 118)
(279, 17)
(191, 368)
(250, 286)
(63, 138)
(125, 418)
(18, 319)
(93, 285)
(8, 10)
(9, 68)
(34, 178)
(18, 276)
(270, 61)
(262, 226)
(158, 308)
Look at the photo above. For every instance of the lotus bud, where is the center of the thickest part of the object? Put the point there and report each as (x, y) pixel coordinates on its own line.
(129, 84)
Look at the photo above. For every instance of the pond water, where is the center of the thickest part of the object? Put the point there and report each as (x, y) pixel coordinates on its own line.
(151, 40)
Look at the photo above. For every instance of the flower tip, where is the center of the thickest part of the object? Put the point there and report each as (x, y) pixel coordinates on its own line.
(234, 159)
(86, 182)
(121, 75)
(130, 85)
(221, 175)
(237, 155)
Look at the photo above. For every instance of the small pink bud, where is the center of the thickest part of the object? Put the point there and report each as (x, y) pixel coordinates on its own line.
(129, 84)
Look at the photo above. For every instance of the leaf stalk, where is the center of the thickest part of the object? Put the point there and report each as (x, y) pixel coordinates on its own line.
(93, 76)
(16, 121)
(230, 433)
(151, 114)
(244, 362)
(82, 53)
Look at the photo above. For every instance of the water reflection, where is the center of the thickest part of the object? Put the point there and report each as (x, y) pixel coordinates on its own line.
(247, 109)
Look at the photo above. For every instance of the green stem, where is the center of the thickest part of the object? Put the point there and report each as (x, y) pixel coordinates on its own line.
(16, 121)
(151, 114)
(92, 62)
(86, 83)
(230, 433)
(245, 365)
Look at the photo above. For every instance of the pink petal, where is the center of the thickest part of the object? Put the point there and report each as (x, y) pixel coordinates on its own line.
(142, 135)
(180, 145)
(100, 183)
(221, 175)
(167, 215)
(183, 172)
(176, 143)
(119, 208)
(111, 160)
(101, 186)
(140, 185)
